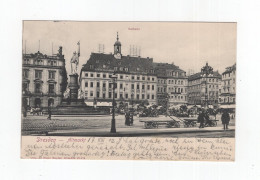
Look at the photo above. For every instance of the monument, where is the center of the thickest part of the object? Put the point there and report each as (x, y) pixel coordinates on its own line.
(73, 100)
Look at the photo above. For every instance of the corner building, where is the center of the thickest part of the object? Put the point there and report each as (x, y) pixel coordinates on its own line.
(228, 86)
(44, 79)
(136, 79)
(202, 89)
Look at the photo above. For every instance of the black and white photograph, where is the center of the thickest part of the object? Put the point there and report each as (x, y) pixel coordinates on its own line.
(129, 79)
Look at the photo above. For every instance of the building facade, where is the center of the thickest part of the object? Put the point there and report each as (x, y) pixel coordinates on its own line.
(228, 86)
(136, 79)
(172, 84)
(44, 79)
(204, 88)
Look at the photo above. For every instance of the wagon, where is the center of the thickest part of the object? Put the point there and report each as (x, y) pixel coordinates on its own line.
(154, 122)
(189, 122)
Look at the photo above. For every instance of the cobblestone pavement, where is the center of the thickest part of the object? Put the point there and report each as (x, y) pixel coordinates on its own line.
(40, 124)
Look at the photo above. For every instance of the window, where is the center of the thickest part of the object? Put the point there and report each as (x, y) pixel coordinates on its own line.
(51, 74)
(148, 87)
(121, 76)
(148, 78)
(142, 96)
(121, 86)
(152, 79)
(121, 68)
(51, 88)
(115, 95)
(91, 75)
(126, 69)
(115, 68)
(26, 61)
(110, 85)
(143, 86)
(126, 96)
(152, 87)
(25, 86)
(133, 77)
(37, 87)
(91, 93)
(104, 85)
(86, 84)
(137, 96)
(97, 94)
(148, 96)
(25, 73)
(98, 75)
(133, 86)
(138, 69)
(152, 96)
(109, 95)
(86, 74)
(138, 78)
(38, 74)
(143, 78)
(104, 75)
(97, 61)
(91, 84)
(98, 84)
(91, 67)
(104, 66)
(121, 95)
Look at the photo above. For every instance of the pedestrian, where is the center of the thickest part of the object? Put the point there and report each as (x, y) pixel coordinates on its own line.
(49, 111)
(201, 119)
(131, 118)
(225, 118)
(127, 117)
(206, 119)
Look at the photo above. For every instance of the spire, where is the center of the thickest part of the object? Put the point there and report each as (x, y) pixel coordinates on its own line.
(117, 36)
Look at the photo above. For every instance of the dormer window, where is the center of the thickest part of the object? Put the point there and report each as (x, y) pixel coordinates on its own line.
(121, 68)
(115, 68)
(104, 66)
(97, 61)
(126, 69)
(91, 66)
(138, 69)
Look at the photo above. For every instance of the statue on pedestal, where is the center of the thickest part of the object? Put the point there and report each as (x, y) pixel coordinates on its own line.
(75, 60)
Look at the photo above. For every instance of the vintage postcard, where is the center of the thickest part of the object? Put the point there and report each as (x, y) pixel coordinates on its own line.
(128, 90)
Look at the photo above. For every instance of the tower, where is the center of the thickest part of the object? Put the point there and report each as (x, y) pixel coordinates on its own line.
(117, 48)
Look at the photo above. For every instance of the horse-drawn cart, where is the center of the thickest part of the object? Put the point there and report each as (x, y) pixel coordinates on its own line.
(154, 122)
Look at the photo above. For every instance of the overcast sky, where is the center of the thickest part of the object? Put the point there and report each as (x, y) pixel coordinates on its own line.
(188, 45)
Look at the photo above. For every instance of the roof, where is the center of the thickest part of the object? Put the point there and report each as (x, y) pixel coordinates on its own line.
(230, 69)
(39, 55)
(198, 75)
(107, 62)
(161, 69)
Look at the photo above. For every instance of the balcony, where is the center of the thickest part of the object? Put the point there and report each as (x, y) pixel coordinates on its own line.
(51, 94)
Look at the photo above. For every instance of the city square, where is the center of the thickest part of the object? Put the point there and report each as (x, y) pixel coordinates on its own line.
(125, 94)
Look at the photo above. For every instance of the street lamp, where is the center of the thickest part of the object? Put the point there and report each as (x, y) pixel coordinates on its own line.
(113, 122)
(206, 71)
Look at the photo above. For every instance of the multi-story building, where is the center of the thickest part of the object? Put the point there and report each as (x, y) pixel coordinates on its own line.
(204, 89)
(136, 78)
(228, 86)
(44, 79)
(172, 84)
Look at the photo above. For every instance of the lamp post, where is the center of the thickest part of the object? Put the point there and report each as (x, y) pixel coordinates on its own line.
(113, 121)
(206, 71)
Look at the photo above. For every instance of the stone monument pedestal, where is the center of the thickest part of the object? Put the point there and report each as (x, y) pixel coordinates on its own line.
(73, 105)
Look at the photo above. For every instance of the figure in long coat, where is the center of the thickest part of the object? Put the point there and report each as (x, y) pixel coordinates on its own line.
(225, 118)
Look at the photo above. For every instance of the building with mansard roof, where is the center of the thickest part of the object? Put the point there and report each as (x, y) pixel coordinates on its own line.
(136, 79)
(172, 84)
(44, 79)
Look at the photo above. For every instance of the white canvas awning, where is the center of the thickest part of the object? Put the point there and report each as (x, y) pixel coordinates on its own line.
(89, 103)
(104, 103)
(228, 106)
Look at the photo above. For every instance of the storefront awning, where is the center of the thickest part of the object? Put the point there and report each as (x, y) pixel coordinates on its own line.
(228, 106)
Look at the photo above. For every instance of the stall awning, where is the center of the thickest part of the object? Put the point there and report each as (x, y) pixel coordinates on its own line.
(104, 103)
(228, 106)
